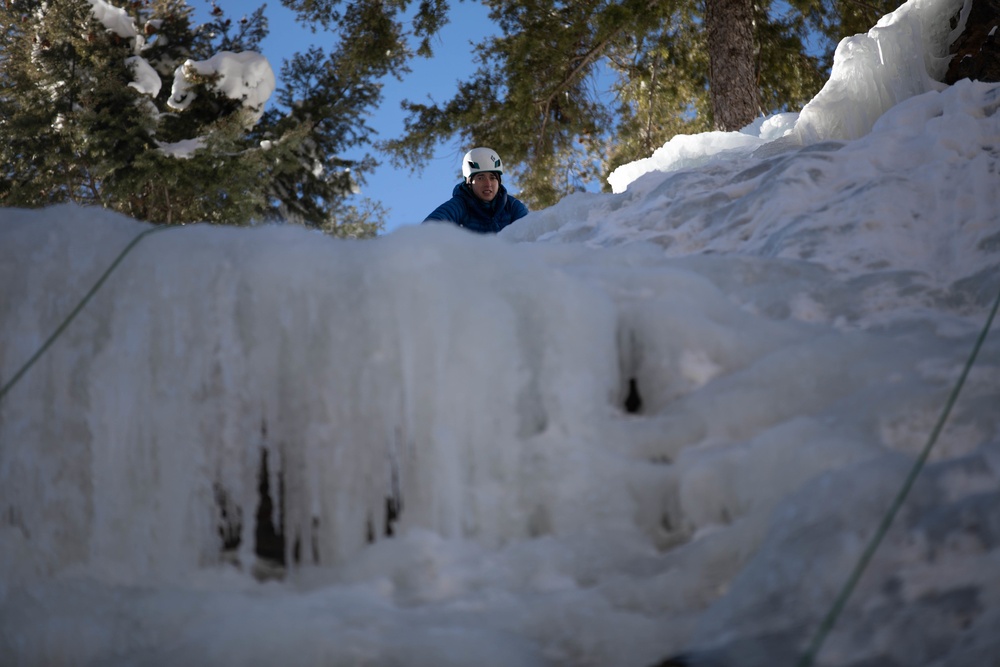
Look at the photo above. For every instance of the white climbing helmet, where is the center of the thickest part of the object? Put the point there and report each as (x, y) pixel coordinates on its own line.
(481, 159)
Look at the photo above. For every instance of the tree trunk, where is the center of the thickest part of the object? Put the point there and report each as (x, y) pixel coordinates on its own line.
(732, 78)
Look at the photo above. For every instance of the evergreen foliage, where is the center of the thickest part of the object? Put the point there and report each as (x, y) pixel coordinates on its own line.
(88, 114)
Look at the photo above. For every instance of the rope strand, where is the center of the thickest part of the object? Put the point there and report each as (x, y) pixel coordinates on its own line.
(76, 311)
(873, 544)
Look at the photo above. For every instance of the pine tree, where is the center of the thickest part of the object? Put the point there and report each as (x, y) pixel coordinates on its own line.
(122, 108)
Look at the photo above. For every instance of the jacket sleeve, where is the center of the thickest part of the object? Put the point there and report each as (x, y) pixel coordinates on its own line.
(451, 211)
(517, 209)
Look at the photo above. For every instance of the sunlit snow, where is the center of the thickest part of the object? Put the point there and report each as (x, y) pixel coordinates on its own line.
(245, 76)
(632, 425)
(113, 18)
(185, 148)
(147, 81)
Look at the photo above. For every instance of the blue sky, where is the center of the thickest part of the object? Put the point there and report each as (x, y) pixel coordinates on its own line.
(409, 195)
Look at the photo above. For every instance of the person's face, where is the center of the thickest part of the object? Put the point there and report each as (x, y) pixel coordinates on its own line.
(485, 185)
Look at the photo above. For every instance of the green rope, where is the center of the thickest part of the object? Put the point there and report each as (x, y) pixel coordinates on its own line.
(83, 302)
(859, 568)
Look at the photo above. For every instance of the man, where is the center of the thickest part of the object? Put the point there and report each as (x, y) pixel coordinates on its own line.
(480, 203)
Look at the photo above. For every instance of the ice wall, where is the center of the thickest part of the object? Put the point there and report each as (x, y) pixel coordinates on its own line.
(904, 55)
(418, 366)
(632, 425)
(546, 518)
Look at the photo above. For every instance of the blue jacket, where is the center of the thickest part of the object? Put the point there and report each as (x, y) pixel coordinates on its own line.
(467, 210)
